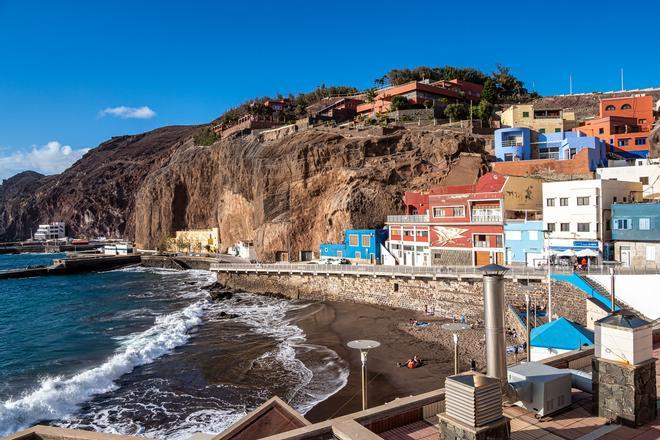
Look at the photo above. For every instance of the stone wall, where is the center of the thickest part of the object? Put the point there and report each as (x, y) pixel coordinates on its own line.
(446, 297)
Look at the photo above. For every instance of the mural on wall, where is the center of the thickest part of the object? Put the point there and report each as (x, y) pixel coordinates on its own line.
(444, 235)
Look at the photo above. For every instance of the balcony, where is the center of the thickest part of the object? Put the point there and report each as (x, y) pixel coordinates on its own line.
(512, 143)
(486, 216)
(398, 219)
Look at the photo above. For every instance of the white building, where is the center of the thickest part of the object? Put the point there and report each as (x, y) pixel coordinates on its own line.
(645, 171)
(577, 214)
(244, 249)
(52, 231)
(118, 249)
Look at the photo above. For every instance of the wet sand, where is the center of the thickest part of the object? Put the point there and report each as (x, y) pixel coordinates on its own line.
(334, 324)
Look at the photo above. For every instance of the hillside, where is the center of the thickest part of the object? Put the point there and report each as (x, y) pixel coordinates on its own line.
(307, 186)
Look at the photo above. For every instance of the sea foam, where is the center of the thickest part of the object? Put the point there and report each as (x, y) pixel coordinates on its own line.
(58, 396)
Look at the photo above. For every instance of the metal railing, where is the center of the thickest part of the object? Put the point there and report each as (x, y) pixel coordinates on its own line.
(486, 218)
(419, 218)
(430, 271)
(512, 143)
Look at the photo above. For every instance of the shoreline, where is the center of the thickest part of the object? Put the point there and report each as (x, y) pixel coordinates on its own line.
(333, 324)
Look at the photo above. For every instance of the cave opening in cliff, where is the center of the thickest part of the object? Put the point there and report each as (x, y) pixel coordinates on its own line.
(179, 207)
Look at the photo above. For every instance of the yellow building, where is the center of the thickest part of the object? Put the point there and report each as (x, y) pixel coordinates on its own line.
(539, 121)
(200, 241)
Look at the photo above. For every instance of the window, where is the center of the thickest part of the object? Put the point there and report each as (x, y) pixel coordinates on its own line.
(623, 142)
(508, 157)
(525, 115)
(452, 211)
(608, 225)
(614, 199)
(423, 234)
(549, 202)
(533, 235)
(408, 233)
(609, 108)
(644, 224)
(601, 130)
(551, 227)
(644, 180)
(565, 227)
(563, 201)
(583, 227)
(626, 107)
(541, 130)
(513, 235)
(582, 201)
(650, 253)
(621, 223)
(358, 255)
(640, 141)
(353, 240)
(597, 228)
(366, 241)
(597, 200)
(557, 130)
(625, 199)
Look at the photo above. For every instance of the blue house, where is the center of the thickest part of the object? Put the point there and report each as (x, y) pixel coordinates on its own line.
(558, 336)
(513, 144)
(636, 233)
(565, 145)
(360, 245)
(523, 241)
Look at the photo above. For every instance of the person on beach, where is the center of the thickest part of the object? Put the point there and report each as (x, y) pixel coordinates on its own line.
(413, 362)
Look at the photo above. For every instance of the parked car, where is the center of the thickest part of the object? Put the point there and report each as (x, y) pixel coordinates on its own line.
(338, 261)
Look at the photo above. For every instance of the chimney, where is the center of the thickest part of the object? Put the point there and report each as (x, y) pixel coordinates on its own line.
(494, 322)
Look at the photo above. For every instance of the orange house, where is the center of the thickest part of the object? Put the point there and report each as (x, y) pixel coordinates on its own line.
(624, 124)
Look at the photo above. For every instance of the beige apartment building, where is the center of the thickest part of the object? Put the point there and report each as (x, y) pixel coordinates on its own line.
(538, 120)
(196, 241)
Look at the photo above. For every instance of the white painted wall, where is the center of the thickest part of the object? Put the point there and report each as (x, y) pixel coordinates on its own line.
(540, 353)
(638, 291)
(634, 173)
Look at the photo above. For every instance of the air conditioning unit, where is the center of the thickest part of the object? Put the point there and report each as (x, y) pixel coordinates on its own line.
(540, 388)
(474, 399)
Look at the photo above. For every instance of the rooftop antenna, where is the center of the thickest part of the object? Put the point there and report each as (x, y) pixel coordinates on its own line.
(622, 89)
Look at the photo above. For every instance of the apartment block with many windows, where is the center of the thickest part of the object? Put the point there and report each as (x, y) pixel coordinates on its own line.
(577, 216)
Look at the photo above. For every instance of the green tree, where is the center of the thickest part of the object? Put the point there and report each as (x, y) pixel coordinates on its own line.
(507, 84)
(484, 110)
(456, 112)
(205, 136)
(370, 95)
(489, 92)
(399, 103)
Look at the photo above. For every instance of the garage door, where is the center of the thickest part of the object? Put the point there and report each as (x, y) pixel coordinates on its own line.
(482, 258)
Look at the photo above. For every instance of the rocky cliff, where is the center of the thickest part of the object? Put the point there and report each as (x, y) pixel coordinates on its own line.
(299, 191)
(291, 193)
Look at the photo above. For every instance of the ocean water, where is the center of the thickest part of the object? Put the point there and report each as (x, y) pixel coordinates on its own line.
(146, 351)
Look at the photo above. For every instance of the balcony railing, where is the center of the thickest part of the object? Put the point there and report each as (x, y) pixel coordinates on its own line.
(420, 218)
(512, 143)
(486, 218)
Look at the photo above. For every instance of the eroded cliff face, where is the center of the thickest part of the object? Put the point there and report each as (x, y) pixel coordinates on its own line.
(299, 191)
(95, 196)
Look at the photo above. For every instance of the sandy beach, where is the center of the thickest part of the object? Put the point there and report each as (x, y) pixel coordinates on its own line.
(334, 324)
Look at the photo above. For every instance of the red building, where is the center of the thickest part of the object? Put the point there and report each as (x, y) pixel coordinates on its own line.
(462, 225)
(624, 124)
(418, 92)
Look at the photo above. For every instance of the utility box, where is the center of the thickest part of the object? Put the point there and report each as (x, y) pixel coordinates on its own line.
(623, 337)
(541, 388)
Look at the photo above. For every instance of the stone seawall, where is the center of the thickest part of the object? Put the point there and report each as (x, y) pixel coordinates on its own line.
(447, 298)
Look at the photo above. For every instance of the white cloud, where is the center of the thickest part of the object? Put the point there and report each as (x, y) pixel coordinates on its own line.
(51, 158)
(124, 112)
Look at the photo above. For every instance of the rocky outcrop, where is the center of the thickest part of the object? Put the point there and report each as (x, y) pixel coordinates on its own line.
(95, 196)
(297, 192)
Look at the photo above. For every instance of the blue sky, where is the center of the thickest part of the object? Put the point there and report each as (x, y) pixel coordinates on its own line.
(155, 63)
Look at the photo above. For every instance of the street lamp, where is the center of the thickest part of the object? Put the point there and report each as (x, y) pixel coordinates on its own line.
(364, 345)
(455, 328)
(546, 234)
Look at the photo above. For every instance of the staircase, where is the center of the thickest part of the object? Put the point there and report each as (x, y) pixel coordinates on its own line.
(606, 293)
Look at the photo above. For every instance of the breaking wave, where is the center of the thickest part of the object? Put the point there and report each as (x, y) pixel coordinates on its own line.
(57, 397)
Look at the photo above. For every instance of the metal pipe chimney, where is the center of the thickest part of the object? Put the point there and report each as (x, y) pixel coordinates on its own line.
(494, 322)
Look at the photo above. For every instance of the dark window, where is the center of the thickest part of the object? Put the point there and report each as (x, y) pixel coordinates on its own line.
(601, 130)
(644, 180)
(564, 227)
(622, 223)
(525, 115)
(541, 130)
(623, 142)
(626, 107)
(557, 130)
(614, 199)
(609, 108)
(582, 201)
(608, 225)
(583, 227)
(551, 227)
(563, 201)
(625, 199)
(549, 202)
(640, 141)
(508, 157)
